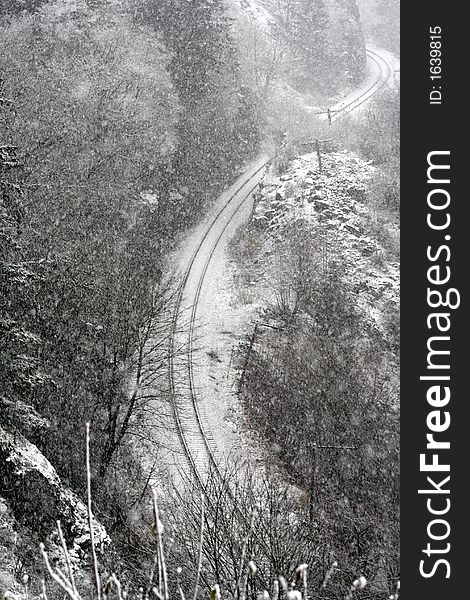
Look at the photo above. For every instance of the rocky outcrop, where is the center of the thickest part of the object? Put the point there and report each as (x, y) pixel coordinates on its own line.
(37, 497)
(333, 202)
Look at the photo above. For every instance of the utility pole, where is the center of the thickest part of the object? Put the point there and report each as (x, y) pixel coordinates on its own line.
(317, 146)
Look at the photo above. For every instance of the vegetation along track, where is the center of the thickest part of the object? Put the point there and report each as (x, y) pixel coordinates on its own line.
(196, 441)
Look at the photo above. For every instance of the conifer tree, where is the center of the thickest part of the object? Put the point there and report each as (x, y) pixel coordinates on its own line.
(351, 50)
(216, 113)
(309, 30)
(18, 368)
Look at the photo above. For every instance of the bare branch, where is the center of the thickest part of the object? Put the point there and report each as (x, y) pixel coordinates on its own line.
(90, 515)
(67, 559)
(60, 580)
(201, 540)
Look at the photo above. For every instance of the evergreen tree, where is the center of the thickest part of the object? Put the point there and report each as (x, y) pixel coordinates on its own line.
(217, 127)
(324, 42)
(18, 368)
(350, 52)
(309, 31)
(15, 7)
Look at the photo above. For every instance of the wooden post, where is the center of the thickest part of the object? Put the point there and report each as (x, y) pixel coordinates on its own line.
(317, 146)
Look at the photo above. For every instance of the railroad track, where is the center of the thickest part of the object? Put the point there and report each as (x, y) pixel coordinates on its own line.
(198, 443)
(385, 73)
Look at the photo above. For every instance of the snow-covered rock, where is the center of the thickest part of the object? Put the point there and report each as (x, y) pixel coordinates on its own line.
(335, 201)
(32, 487)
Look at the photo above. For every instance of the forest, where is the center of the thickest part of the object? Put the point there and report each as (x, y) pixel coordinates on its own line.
(121, 123)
